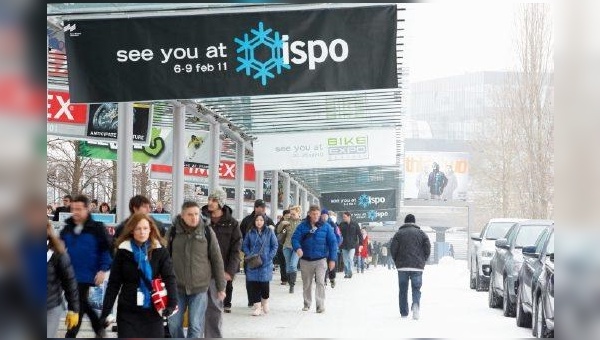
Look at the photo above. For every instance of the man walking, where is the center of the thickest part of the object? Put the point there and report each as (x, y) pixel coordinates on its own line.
(138, 204)
(88, 247)
(229, 237)
(410, 249)
(65, 208)
(196, 259)
(316, 245)
(351, 238)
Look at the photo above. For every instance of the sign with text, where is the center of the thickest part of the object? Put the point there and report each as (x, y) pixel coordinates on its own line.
(232, 54)
(373, 215)
(359, 200)
(325, 149)
(227, 171)
(418, 166)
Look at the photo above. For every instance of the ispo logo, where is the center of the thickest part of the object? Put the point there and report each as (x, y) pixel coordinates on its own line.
(364, 200)
(279, 50)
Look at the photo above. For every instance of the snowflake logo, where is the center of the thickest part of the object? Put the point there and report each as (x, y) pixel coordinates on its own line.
(248, 49)
(372, 215)
(364, 200)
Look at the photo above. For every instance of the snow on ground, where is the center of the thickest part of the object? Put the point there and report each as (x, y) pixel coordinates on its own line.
(366, 306)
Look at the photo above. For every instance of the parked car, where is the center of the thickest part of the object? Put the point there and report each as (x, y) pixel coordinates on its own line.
(543, 298)
(527, 281)
(483, 250)
(507, 262)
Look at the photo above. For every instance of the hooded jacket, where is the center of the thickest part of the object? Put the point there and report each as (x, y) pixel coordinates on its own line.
(229, 236)
(193, 265)
(316, 245)
(410, 247)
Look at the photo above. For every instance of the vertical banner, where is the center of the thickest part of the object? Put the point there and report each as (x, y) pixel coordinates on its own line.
(418, 166)
(232, 54)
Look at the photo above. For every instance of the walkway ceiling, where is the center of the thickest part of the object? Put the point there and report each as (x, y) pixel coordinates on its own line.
(252, 116)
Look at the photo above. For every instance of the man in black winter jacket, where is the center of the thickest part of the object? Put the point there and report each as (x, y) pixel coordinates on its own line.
(351, 238)
(410, 249)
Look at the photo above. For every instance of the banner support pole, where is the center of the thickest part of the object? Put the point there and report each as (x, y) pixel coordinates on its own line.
(124, 159)
(178, 158)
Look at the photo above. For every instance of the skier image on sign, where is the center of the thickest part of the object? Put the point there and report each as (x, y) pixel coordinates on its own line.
(437, 182)
(193, 146)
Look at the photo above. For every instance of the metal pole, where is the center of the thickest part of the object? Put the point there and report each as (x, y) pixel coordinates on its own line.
(303, 202)
(274, 195)
(124, 159)
(260, 185)
(296, 193)
(213, 164)
(286, 190)
(239, 179)
(178, 158)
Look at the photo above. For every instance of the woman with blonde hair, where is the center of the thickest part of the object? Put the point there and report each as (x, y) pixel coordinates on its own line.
(61, 277)
(291, 258)
(141, 257)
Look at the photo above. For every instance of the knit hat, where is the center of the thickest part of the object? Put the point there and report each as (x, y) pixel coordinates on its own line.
(410, 218)
(324, 212)
(259, 203)
(218, 195)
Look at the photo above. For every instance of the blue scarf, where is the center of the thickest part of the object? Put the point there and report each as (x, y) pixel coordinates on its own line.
(140, 254)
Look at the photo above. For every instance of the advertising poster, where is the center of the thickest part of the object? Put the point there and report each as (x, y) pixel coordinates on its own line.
(418, 168)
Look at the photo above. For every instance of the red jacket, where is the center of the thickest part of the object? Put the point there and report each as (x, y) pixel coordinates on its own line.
(365, 247)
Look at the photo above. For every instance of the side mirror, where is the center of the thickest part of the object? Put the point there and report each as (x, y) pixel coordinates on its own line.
(552, 257)
(502, 243)
(530, 252)
(475, 237)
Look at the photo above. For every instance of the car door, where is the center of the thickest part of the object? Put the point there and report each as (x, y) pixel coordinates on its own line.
(501, 258)
(532, 268)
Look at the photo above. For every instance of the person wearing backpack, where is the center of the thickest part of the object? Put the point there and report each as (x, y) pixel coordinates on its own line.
(196, 259)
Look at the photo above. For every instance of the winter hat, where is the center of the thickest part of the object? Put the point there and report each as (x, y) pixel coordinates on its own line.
(324, 212)
(259, 203)
(410, 218)
(218, 195)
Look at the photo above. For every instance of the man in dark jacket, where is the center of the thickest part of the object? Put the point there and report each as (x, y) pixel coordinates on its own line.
(138, 203)
(410, 249)
(65, 208)
(247, 223)
(230, 241)
(88, 247)
(351, 238)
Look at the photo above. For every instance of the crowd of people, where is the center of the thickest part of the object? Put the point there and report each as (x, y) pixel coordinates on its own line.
(198, 257)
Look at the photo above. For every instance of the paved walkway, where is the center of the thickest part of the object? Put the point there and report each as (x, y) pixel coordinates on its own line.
(366, 306)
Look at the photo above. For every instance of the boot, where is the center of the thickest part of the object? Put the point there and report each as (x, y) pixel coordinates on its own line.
(257, 309)
(292, 281)
(265, 305)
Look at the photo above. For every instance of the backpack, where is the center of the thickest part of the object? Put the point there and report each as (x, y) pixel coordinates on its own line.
(173, 233)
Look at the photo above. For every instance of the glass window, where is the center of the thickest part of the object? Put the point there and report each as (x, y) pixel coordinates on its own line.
(539, 244)
(528, 234)
(497, 230)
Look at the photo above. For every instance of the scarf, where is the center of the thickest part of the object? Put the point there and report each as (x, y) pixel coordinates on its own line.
(140, 255)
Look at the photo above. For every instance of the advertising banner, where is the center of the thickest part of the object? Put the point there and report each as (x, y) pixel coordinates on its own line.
(418, 166)
(227, 171)
(375, 215)
(93, 122)
(232, 54)
(325, 149)
(359, 200)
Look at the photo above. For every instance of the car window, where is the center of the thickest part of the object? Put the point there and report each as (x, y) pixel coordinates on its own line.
(539, 244)
(550, 246)
(497, 230)
(527, 235)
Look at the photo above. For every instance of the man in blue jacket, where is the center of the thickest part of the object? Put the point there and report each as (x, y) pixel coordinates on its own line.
(316, 245)
(89, 249)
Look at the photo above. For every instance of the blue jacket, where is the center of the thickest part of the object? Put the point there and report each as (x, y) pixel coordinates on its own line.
(89, 251)
(318, 245)
(251, 245)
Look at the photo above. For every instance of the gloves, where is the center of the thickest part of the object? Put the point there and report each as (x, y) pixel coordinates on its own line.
(71, 320)
(169, 311)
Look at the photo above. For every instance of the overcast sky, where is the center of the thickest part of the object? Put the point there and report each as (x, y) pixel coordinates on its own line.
(456, 38)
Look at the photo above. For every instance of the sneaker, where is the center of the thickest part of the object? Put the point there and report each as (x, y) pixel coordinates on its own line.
(305, 308)
(321, 310)
(332, 283)
(227, 309)
(415, 311)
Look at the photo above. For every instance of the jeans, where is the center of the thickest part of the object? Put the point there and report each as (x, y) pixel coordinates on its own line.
(360, 266)
(196, 305)
(416, 280)
(390, 262)
(291, 260)
(52, 320)
(85, 308)
(348, 255)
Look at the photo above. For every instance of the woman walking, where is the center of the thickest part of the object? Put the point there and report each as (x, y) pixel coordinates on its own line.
(291, 258)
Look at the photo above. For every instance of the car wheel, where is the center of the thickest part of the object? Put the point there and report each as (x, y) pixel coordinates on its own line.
(523, 318)
(508, 308)
(492, 297)
(472, 278)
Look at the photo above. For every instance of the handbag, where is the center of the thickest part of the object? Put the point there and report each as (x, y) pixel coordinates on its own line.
(254, 261)
(159, 295)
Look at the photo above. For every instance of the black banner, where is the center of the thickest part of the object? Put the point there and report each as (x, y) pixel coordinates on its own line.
(103, 122)
(359, 200)
(236, 54)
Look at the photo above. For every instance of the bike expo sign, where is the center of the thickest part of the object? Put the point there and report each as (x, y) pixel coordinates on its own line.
(364, 206)
(233, 54)
(325, 149)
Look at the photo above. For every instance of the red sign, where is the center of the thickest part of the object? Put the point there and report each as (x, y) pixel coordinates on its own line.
(226, 170)
(60, 109)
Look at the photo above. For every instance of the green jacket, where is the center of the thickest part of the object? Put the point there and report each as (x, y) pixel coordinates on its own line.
(290, 231)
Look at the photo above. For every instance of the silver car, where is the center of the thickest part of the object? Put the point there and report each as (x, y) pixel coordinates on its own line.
(483, 249)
